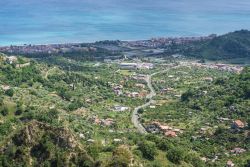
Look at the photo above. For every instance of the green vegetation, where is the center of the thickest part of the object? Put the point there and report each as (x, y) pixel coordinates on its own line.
(61, 111)
(229, 46)
(206, 113)
(233, 47)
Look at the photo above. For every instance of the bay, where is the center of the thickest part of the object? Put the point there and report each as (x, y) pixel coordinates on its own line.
(65, 21)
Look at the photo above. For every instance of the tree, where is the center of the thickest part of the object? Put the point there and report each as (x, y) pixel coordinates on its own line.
(148, 149)
(20, 108)
(121, 157)
(141, 110)
(175, 155)
(247, 164)
(94, 149)
(185, 96)
(248, 123)
(164, 145)
(9, 92)
(1, 101)
(5, 111)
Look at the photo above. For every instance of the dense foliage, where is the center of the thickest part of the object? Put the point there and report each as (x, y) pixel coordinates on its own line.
(229, 46)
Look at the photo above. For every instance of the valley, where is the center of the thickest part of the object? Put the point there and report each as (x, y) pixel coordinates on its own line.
(128, 106)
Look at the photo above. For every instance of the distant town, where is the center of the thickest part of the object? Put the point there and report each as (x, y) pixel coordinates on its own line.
(73, 47)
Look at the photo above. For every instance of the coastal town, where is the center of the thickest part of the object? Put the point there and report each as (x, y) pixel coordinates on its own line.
(51, 49)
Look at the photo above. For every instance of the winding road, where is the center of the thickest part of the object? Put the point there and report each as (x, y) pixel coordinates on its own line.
(135, 115)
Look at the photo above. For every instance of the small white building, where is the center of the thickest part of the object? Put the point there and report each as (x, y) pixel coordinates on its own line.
(120, 108)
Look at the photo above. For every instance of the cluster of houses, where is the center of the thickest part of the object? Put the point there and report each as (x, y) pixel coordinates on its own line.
(139, 77)
(103, 122)
(134, 66)
(237, 150)
(168, 131)
(166, 90)
(222, 67)
(162, 41)
(142, 94)
(118, 90)
(50, 49)
(236, 125)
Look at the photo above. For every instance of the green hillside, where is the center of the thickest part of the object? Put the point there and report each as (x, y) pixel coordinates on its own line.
(43, 145)
(63, 112)
(206, 115)
(229, 46)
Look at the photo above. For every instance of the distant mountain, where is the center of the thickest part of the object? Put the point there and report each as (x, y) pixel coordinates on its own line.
(229, 46)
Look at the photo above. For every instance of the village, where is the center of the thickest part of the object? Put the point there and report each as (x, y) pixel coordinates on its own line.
(217, 66)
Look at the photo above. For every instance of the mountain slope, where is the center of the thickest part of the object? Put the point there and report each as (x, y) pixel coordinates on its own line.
(228, 46)
(39, 144)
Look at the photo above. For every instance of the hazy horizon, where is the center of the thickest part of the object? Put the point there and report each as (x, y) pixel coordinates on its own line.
(67, 21)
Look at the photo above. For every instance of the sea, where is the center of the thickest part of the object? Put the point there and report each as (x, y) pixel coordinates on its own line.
(70, 21)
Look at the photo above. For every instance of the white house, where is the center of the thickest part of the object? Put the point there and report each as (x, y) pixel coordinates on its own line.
(120, 108)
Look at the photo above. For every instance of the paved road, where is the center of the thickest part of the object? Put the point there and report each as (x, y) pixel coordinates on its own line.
(135, 115)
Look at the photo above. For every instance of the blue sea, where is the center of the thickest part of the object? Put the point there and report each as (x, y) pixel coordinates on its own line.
(64, 21)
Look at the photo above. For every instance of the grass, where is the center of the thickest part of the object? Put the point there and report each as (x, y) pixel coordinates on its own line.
(126, 72)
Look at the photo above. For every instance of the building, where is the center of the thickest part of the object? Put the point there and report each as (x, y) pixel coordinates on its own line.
(133, 66)
(170, 134)
(103, 122)
(237, 150)
(152, 107)
(5, 87)
(140, 85)
(230, 164)
(128, 66)
(120, 108)
(238, 124)
(167, 90)
(157, 127)
(145, 66)
(134, 94)
(208, 79)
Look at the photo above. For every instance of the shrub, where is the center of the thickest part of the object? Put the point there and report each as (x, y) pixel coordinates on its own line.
(5, 111)
(176, 155)
(121, 157)
(141, 110)
(148, 149)
(9, 92)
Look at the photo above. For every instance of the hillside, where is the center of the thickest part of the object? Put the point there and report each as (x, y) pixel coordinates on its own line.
(229, 46)
(63, 112)
(207, 116)
(39, 144)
